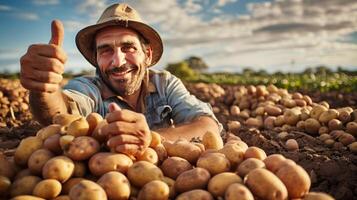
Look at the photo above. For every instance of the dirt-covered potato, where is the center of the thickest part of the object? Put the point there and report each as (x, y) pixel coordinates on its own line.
(218, 184)
(328, 115)
(238, 191)
(60, 168)
(149, 155)
(47, 189)
(142, 172)
(183, 149)
(155, 189)
(296, 180)
(196, 178)
(264, 184)
(317, 196)
(312, 126)
(24, 185)
(87, 190)
(38, 159)
(104, 162)
(255, 152)
(26, 147)
(5, 184)
(47, 131)
(78, 127)
(317, 111)
(212, 141)
(172, 167)
(248, 165)
(274, 162)
(214, 162)
(115, 185)
(197, 194)
(82, 148)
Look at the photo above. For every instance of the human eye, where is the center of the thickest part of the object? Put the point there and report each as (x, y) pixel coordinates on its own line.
(128, 48)
(104, 50)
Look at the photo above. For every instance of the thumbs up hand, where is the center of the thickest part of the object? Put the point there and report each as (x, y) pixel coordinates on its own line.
(42, 65)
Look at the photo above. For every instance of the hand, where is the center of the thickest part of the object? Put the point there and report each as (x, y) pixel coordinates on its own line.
(128, 131)
(43, 64)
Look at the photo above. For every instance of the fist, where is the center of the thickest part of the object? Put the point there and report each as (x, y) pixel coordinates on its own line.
(43, 64)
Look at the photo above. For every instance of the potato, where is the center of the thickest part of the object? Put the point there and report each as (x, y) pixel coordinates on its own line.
(80, 169)
(269, 122)
(104, 162)
(87, 190)
(234, 125)
(155, 189)
(47, 189)
(52, 143)
(214, 162)
(98, 131)
(353, 147)
(273, 110)
(78, 127)
(172, 167)
(27, 197)
(161, 152)
(7, 168)
(317, 196)
(38, 159)
(115, 185)
(65, 141)
(155, 139)
(255, 152)
(48, 131)
(22, 173)
(317, 111)
(64, 119)
(66, 187)
(296, 180)
(197, 194)
(149, 155)
(279, 121)
(60, 168)
(93, 119)
(344, 115)
(212, 140)
(248, 165)
(292, 145)
(196, 178)
(291, 116)
(264, 184)
(328, 115)
(274, 162)
(82, 148)
(254, 122)
(26, 147)
(234, 110)
(183, 149)
(62, 197)
(24, 185)
(351, 127)
(234, 153)
(5, 184)
(142, 172)
(219, 183)
(171, 183)
(346, 139)
(335, 124)
(312, 126)
(238, 191)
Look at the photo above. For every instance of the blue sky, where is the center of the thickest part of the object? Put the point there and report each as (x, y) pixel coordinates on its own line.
(276, 35)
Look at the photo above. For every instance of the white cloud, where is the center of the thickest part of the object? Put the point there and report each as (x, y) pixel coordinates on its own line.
(93, 8)
(73, 26)
(221, 3)
(27, 16)
(46, 2)
(5, 8)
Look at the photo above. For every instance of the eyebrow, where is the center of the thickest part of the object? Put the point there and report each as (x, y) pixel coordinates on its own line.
(127, 43)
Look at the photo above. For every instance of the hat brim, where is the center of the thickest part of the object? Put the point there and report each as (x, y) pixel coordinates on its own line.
(85, 38)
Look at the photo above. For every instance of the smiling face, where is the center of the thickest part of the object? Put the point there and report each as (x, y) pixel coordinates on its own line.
(122, 59)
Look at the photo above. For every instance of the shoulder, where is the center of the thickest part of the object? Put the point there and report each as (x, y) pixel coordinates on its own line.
(160, 76)
(83, 84)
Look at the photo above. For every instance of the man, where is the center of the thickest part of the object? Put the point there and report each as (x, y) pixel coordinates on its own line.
(133, 98)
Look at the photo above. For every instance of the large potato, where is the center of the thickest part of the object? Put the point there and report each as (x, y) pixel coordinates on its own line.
(5, 184)
(38, 159)
(47, 189)
(26, 147)
(155, 189)
(155, 139)
(7, 168)
(80, 169)
(197, 194)
(98, 131)
(66, 187)
(149, 155)
(238, 191)
(82, 148)
(248, 165)
(255, 152)
(234, 153)
(142, 172)
(60, 168)
(274, 162)
(196, 178)
(27, 197)
(64, 119)
(161, 152)
(115, 185)
(317, 196)
(93, 120)
(78, 127)
(62, 197)
(174, 166)
(87, 190)
(219, 183)
(214, 162)
(104, 162)
(24, 185)
(52, 143)
(47, 131)
(264, 184)
(183, 149)
(171, 183)
(296, 180)
(212, 140)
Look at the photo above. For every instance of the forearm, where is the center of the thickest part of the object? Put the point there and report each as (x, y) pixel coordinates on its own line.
(45, 105)
(188, 131)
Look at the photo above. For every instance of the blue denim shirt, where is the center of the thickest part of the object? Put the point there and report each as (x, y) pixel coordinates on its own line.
(168, 102)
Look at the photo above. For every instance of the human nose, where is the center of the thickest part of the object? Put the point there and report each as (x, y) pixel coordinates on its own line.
(119, 57)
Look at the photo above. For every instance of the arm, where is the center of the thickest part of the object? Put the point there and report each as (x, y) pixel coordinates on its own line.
(196, 128)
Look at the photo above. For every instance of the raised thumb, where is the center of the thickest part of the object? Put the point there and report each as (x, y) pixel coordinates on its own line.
(57, 33)
(113, 107)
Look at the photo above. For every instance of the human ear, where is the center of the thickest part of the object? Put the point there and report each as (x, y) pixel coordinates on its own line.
(148, 56)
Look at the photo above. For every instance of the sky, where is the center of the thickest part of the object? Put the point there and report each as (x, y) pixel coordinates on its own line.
(229, 35)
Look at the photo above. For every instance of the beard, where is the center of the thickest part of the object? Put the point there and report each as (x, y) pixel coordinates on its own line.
(124, 80)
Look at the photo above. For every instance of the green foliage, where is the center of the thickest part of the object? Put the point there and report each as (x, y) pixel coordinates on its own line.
(182, 71)
(196, 63)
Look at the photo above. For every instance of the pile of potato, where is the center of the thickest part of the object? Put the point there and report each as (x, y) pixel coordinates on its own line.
(70, 160)
(273, 108)
(14, 108)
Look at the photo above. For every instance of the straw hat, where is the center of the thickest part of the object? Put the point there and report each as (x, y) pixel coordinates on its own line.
(118, 15)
